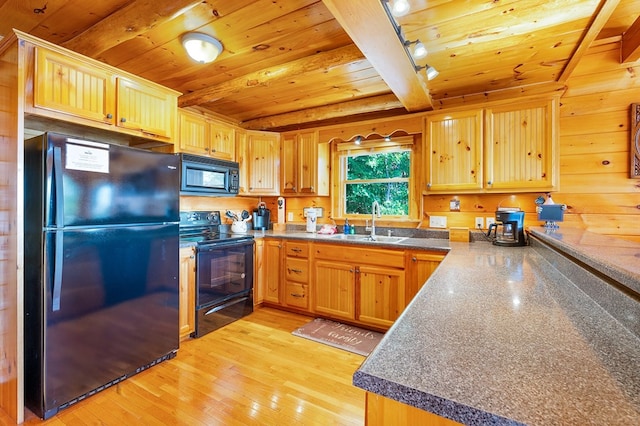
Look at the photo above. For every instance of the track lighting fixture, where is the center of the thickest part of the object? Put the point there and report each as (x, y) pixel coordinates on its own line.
(400, 7)
(419, 50)
(431, 71)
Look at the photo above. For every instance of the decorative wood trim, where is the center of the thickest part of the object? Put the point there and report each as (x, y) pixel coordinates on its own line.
(634, 150)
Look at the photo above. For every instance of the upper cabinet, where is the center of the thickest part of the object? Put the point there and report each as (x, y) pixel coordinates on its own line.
(204, 136)
(454, 151)
(507, 147)
(521, 146)
(72, 88)
(258, 154)
(304, 164)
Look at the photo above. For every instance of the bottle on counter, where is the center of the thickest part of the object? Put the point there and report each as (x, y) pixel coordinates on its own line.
(352, 229)
(347, 228)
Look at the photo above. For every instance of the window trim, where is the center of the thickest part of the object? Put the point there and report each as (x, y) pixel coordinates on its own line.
(339, 162)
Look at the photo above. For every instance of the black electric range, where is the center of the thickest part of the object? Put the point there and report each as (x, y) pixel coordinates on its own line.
(203, 229)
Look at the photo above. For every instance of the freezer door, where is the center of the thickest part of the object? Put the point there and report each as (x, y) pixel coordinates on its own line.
(109, 304)
(88, 183)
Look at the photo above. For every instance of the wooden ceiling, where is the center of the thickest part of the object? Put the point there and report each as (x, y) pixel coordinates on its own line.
(292, 64)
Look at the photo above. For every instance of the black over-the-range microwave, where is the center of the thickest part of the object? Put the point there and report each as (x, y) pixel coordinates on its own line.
(208, 176)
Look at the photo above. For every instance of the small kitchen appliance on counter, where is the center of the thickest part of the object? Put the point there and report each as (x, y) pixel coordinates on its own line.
(261, 217)
(508, 229)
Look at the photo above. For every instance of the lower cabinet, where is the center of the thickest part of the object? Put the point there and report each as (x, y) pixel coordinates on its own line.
(335, 289)
(382, 295)
(355, 283)
(272, 270)
(187, 301)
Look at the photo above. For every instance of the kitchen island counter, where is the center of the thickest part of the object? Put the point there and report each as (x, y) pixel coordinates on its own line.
(498, 335)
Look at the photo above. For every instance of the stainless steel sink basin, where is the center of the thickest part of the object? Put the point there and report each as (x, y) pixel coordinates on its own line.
(367, 238)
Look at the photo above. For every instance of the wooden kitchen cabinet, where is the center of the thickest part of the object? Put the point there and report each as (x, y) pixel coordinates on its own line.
(272, 270)
(258, 154)
(382, 295)
(335, 289)
(521, 146)
(258, 272)
(454, 151)
(204, 136)
(304, 164)
(187, 294)
(73, 88)
(362, 284)
(419, 267)
(296, 274)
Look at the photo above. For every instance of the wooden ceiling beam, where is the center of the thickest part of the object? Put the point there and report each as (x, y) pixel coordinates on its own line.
(323, 60)
(328, 112)
(630, 51)
(606, 9)
(127, 23)
(371, 29)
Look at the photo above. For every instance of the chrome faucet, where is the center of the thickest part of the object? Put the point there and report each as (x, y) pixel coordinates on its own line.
(375, 212)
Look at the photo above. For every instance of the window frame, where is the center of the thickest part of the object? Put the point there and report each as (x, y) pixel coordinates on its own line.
(339, 165)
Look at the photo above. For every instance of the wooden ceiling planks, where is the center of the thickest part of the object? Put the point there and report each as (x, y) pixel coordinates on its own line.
(284, 62)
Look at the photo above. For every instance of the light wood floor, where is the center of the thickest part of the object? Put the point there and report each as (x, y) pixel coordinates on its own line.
(251, 372)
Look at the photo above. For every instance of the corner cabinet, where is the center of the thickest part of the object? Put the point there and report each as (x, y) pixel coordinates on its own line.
(304, 164)
(258, 154)
(73, 88)
(201, 135)
(506, 147)
(521, 146)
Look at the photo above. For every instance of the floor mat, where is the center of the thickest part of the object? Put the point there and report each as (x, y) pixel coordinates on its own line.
(341, 336)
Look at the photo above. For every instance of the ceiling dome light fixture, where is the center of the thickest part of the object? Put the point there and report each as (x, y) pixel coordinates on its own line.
(400, 7)
(201, 47)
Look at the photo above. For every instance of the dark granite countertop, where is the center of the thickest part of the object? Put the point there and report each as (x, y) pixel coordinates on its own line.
(498, 335)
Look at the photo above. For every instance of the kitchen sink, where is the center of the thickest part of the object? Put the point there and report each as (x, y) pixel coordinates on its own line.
(367, 238)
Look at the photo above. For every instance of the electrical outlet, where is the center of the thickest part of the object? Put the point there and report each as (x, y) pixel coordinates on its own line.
(438, 221)
(290, 216)
(490, 221)
(479, 222)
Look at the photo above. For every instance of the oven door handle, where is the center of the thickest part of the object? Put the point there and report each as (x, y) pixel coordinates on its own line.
(219, 244)
(226, 305)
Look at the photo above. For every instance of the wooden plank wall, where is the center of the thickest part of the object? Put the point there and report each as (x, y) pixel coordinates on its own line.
(595, 145)
(11, 400)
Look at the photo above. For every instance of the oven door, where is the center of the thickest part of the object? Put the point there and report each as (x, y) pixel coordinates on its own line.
(224, 284)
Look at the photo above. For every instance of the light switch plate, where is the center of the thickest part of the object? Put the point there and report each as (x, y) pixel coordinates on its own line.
(437, 221)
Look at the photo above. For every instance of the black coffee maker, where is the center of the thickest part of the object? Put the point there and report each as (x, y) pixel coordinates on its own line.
(508, 229)
(261, 217)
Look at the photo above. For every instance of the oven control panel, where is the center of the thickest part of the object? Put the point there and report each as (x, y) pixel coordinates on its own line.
(199, 218)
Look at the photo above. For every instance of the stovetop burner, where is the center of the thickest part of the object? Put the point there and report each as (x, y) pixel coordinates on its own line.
(203, 227)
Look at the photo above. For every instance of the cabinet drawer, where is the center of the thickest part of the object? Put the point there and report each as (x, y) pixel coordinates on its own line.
(296, 270)
(297, 249)
(297, 295)
(360, 255)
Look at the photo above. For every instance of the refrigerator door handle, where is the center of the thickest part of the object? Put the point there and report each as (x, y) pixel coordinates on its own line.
(57, 176)
(58, 258)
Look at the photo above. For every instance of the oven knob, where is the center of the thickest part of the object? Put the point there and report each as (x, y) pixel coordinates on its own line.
(242, 275)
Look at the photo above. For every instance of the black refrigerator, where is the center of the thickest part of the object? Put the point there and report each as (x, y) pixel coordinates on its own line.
(101, 266)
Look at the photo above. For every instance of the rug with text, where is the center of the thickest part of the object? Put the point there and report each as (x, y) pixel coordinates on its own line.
(342, 336)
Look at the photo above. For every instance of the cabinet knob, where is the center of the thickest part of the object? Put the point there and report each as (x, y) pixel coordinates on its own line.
(429, 185)
(311, 188)
(207, 149)
(294, 189)
(413, 259)
(490, 183)
(123, 120)
(109, 116)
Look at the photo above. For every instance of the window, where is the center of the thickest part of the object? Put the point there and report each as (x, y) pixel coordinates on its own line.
(376, 171)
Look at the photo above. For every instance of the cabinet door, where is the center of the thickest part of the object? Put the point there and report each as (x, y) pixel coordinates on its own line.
(521, 146)
(223, 141)
(262, 161)
(335, 289)
(307, 162)
(420, 266)
(289, 165)
(258, 272)
(187, 302)
(146, 108)
(194, 133)
(381, 292)
(66, 85)
(272, 268)
(454, 155)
